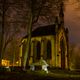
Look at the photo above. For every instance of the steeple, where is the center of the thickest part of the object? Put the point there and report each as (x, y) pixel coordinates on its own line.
(61, 13)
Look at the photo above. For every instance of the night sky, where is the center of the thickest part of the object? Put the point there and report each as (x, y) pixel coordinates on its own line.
(72, 20)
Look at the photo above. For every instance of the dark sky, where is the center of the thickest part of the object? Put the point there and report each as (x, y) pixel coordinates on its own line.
(72, 20)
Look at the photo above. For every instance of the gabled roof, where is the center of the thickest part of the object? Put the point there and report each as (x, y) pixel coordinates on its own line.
(44, 30)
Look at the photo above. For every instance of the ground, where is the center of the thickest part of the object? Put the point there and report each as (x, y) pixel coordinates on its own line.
(40, 75)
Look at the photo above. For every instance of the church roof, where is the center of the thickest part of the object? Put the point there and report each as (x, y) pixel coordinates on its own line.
(44, 30)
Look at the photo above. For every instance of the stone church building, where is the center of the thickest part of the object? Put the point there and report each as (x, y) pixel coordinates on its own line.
(49, 42)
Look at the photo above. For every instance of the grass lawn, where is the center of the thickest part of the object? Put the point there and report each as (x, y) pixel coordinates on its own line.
(40, 75)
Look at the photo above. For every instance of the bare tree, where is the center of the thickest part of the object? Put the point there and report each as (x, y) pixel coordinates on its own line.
(7, 32)
(33, 14)
(3, 9)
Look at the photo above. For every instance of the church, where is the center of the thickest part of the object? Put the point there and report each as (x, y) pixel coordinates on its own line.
(50, 43)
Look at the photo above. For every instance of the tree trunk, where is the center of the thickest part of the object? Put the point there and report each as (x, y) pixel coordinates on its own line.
(26, 54)
(2, 33)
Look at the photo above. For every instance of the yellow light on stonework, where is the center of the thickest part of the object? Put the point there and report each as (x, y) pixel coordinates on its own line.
(5, 62)
(17, 63)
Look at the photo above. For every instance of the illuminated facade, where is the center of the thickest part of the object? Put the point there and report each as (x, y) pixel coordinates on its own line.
(50, 43)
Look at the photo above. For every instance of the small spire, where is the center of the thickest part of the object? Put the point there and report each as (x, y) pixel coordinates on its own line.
(61, 13)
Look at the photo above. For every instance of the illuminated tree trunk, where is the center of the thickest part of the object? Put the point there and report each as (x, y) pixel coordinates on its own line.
(27, 52)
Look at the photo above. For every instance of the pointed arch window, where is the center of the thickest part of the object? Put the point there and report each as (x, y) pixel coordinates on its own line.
(38, 50)
(49, 56)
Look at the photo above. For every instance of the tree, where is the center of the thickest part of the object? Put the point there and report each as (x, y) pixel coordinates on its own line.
(33, 18)
(3, 9)
(7, 33)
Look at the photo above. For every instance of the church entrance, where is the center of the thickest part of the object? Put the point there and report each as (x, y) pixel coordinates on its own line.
(62, 46)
